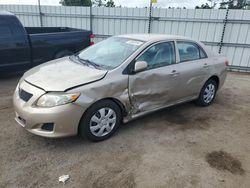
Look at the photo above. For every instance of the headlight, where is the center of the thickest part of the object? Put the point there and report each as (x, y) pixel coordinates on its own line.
(55, 99)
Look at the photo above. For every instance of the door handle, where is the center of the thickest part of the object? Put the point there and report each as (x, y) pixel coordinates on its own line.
(205, 65)
(174, 73)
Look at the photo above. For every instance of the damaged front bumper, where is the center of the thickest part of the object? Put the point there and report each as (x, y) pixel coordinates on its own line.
(58, 121)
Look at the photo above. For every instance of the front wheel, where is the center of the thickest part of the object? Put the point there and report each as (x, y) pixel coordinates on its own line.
(207, 93)
(100, 121)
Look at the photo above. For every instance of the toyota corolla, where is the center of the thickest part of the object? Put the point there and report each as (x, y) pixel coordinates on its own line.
(119, 79)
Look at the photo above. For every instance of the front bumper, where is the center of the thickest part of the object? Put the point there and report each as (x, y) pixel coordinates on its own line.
(65, 118)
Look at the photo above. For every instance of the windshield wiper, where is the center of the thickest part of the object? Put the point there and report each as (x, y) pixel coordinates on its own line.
(86, 61)
(79, 60)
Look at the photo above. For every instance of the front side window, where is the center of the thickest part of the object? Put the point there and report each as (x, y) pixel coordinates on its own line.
(111, 52)
(159, 55)
(189, 51)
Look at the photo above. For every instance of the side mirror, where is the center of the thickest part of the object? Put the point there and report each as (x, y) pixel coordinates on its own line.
(140, 66)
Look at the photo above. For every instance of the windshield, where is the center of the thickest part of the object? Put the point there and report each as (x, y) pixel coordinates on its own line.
(111, 52)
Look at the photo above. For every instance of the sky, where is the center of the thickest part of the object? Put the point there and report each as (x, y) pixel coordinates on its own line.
(127, 3)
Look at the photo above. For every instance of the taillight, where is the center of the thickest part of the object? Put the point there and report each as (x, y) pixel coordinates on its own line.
(226, 63)
(91, 39)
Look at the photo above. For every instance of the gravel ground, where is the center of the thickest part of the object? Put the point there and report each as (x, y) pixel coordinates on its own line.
(182, 146)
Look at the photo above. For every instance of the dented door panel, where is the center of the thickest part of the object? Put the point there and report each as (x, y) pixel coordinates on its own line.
(153, 88)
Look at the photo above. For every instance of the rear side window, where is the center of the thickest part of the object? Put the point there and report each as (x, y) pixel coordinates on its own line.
(5, 31)
(189, 51)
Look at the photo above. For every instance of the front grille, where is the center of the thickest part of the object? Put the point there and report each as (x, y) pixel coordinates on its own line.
(24, 95)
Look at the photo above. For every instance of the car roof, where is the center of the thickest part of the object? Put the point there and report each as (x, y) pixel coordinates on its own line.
(153, 37)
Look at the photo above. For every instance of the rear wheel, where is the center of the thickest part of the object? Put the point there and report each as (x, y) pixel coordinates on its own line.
(100, 121)
(207, 93)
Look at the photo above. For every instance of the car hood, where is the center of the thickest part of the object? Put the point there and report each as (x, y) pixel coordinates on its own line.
(62, 74)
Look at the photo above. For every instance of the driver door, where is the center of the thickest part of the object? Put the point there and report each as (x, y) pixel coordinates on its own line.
(155, 86)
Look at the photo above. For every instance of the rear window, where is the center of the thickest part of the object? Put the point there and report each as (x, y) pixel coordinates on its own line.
(5, 31)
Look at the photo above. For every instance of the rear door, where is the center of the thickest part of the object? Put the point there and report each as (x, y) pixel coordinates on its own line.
(193, 69)
(155, 86)
(14, 46)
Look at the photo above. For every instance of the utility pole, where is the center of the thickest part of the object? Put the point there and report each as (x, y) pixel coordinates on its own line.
(90, 16)
(40, 13)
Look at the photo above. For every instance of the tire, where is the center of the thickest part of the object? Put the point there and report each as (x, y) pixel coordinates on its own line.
(63, 53)
(104, 116)
(209, 89)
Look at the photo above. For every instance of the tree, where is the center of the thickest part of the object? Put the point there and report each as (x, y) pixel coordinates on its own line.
(235, 4)
(177, 7)
(98, 3)
(213, 3)
(101, 3)
(203, 6)
(76, 2)
(110, 3)
(230, 4)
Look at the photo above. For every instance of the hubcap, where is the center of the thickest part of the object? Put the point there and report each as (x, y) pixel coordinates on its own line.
(103, 122)
(209, 93)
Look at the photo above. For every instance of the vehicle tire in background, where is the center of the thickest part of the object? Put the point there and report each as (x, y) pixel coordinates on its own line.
(100, 121)
(63, 53)
(208, 93)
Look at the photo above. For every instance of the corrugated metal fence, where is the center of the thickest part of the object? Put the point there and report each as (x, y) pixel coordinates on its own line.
(227, 31)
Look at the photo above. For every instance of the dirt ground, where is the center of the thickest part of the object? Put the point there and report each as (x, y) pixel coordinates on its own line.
(182, 146)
